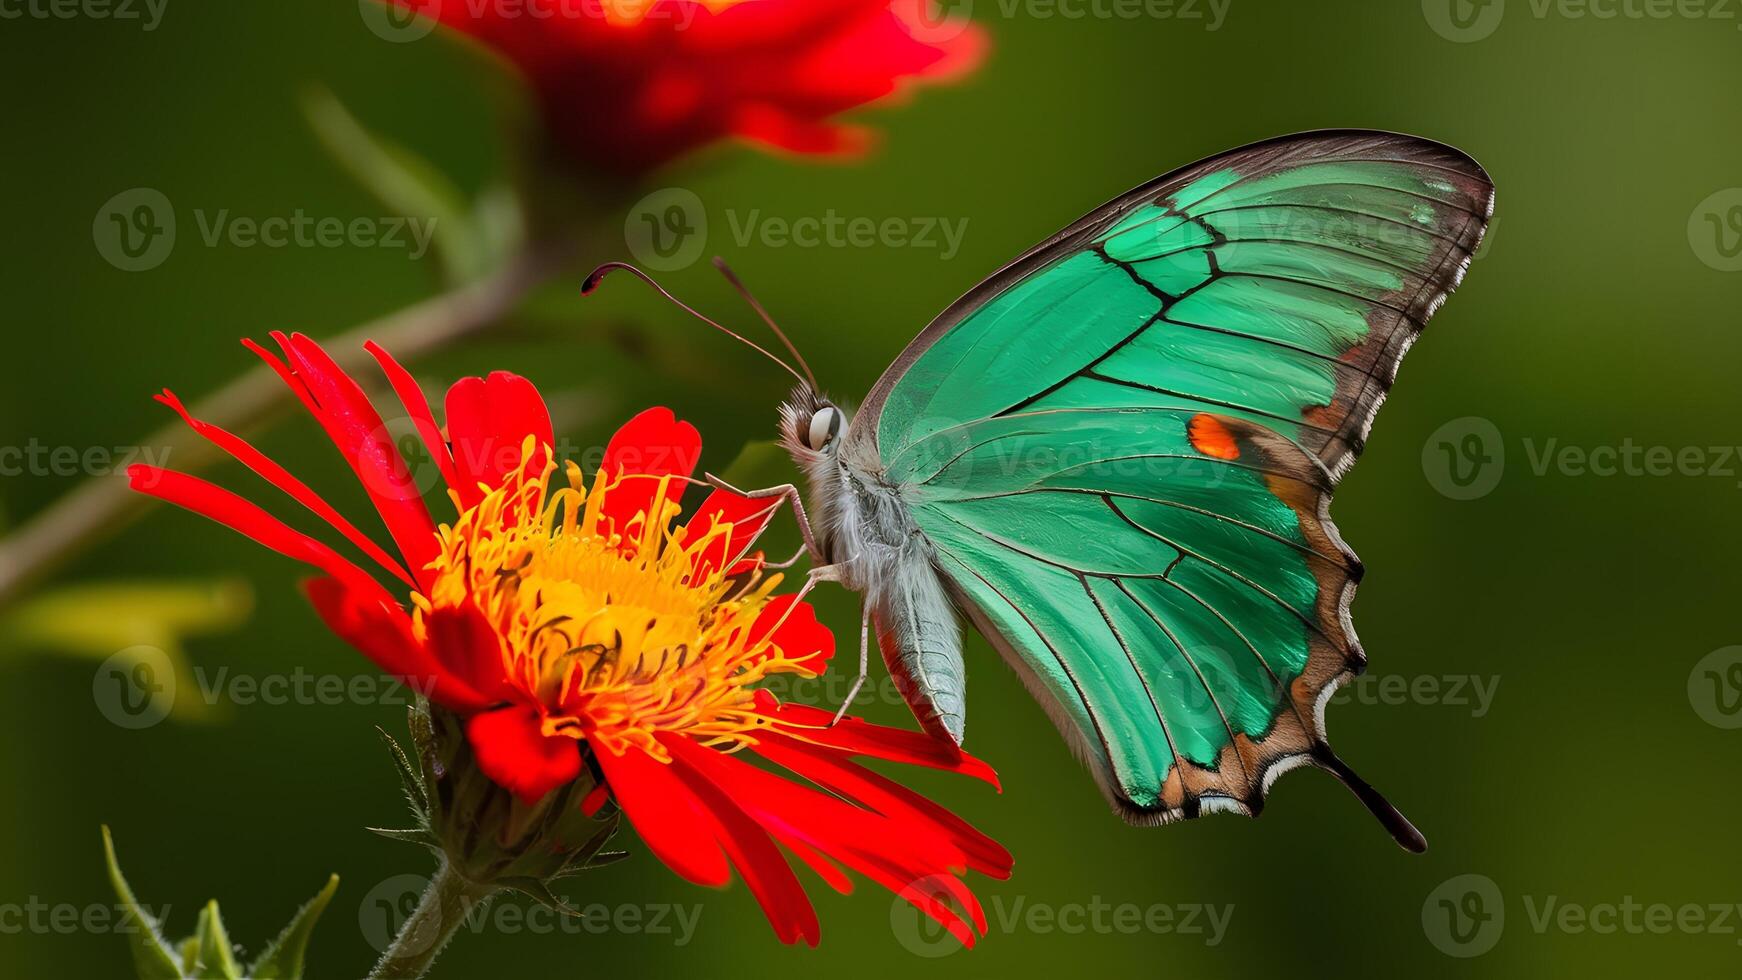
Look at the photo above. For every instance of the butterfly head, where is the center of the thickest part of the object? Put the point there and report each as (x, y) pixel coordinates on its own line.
(812, 428)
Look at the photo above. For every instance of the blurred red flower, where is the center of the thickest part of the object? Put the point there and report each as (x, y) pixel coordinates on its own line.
(627, 85)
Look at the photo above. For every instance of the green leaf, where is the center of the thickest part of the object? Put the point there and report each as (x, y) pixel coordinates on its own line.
(121, 619)
(152, 959)
(283, 958)
(603, 859)
(540, 892)
(207, 954)
(413, 188)
(411, 835)
(101, 618)
(415, 792)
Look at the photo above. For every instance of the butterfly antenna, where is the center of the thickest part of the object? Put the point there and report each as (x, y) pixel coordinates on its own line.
(744, 291)
(598, 275)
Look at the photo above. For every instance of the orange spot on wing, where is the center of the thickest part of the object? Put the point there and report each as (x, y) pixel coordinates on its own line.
(1210, 437)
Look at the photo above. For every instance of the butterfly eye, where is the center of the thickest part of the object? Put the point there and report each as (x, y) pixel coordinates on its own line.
(826, 425)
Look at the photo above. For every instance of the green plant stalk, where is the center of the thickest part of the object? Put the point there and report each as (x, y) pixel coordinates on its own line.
(440, 913)
(103, 504)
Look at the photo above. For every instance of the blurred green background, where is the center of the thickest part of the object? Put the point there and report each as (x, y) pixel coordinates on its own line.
(1598, 770)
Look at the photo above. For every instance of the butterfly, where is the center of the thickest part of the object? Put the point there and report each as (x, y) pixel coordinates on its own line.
(1116, 457)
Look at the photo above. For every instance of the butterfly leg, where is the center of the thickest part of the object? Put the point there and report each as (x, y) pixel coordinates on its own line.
(778, 565)
(790, 494)
(864, 661)
(819, 573)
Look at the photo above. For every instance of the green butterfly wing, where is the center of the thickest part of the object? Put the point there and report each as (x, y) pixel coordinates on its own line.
(1123, 447)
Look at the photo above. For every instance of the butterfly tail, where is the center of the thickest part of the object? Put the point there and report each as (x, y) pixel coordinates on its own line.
(1393, 820)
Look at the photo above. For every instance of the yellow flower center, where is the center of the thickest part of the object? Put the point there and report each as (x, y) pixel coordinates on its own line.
(607, 631)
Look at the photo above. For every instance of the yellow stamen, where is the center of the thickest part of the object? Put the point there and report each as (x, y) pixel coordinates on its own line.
(605, 628)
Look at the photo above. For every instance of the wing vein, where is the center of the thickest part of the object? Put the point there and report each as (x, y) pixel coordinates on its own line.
(1162, 501)
(1137, 671)
(1203, 682)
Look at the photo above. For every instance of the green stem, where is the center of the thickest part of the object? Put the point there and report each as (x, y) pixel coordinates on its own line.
(440, 913)
(102, 504)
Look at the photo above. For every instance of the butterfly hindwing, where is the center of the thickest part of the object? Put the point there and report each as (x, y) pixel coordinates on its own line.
(1123, 446)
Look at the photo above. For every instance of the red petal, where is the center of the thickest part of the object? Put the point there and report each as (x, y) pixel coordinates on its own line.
(239, 515)
(757, 858)
(383, 633)
(669, 818)
(746, 515)
(516, 754)
(356, 429)
(285, 374)
(895, 851)
(780, 129)
(858, 737)
(792, 626)
(596, 799)
(416, 405)
(463, 641)
(488, 422)
(652, 444)
(794, 22)
(830, 770)
(279, 477)
(825, 868)
(870, 56)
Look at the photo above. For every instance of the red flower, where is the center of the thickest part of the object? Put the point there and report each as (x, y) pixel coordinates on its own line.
(627, 85)
(577, 621)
